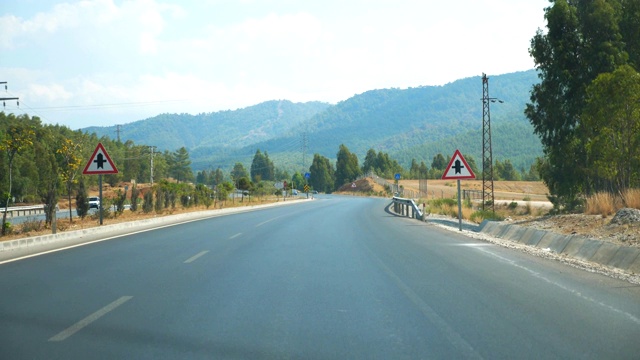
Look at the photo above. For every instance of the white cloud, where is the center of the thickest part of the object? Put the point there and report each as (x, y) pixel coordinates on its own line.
(221, 54)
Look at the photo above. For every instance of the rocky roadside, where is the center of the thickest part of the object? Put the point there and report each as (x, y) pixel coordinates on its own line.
(622, 229)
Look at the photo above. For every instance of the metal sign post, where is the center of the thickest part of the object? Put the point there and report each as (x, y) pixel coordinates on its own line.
(456, 170)
(100, 163)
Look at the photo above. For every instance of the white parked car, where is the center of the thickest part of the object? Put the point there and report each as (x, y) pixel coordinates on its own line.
(94, 202)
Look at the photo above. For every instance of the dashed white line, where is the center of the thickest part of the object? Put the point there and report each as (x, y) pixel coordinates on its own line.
(196, 256)
(89, 319)
(235, 236)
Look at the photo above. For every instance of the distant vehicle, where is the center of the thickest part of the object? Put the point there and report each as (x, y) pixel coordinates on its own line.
(294, 192)
(94, 202)
(315, 191)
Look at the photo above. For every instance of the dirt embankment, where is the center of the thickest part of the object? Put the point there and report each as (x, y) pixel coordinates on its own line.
(626, 232)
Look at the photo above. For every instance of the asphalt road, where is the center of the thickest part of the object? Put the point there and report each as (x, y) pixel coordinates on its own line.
(334, 278)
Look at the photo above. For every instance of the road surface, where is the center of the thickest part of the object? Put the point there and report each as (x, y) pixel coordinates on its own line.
(334, 278)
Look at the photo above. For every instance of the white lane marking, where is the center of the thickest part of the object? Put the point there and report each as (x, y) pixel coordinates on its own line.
(89, 319)
(473, 245)
(235, 236)
(270, 220)
(135, 232)
(194, 257)
(563, 287)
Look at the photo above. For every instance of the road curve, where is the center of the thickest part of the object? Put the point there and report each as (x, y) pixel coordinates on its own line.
(338, 277)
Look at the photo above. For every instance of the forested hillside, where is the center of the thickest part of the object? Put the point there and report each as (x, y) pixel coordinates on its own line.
(406, 123)
(219, 130)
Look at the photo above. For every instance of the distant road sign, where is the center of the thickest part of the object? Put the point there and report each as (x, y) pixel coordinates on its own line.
(279, 185)
(397, 176)
(458, 168)
(307, 175)
(100, 163)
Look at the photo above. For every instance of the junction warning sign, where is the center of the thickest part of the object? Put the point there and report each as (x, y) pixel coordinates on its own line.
(100, 163)
(458, 169)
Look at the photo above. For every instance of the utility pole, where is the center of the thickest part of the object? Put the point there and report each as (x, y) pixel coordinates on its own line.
(118, 130)
(151, 148)
(304, 150)
(487, 152)
(3, 99)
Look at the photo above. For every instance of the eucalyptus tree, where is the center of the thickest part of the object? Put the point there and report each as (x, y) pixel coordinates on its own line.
(583, 40)
(18, 136)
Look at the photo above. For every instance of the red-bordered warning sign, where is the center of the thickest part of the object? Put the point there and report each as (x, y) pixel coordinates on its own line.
(100, 163)
(458, 169)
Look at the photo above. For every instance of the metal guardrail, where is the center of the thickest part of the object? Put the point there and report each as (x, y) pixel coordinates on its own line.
(407, 207)
(23, 210)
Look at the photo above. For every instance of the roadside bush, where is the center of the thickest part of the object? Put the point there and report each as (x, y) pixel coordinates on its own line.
(159, 200)
(480, 215)
(119, 202)
(8, 229)
(134, 197)
(82, 202)
(467, 203)
(147, 202)
(31, 225)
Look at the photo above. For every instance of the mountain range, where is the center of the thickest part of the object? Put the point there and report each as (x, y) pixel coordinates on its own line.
(414, 123)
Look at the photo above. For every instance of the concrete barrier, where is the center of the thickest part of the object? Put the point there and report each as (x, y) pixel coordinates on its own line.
(597, 251)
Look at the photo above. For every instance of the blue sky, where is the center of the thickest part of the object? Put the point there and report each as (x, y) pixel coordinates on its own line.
(107, 62)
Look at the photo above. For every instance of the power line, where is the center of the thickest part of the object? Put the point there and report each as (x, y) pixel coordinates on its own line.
(102, 106)
(8, 98)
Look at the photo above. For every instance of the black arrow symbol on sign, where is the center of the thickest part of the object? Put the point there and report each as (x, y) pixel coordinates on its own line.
(458, 166)
(100, 161)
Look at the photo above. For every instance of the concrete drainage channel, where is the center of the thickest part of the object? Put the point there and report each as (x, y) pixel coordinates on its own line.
(625, 258)
(619, 258)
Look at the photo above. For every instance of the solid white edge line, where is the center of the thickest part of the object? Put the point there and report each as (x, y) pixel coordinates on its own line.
(61, 336)
(194, 257)
(115, 237)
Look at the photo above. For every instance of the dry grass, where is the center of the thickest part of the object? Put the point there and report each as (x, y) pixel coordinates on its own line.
(606, 204)
(600, 204)
(631, 198)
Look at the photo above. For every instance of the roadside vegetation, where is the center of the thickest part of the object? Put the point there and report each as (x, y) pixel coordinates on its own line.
(472, 211)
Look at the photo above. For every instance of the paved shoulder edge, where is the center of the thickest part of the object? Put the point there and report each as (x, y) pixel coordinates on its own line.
(21, 247)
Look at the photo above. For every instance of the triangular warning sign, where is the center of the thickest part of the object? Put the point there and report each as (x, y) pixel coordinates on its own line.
(458, 168)
(100, 163)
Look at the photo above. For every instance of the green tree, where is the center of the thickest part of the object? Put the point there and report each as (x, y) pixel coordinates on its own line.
(18, 137)
(347, 169)
(82, 202)
(505, 171)
(322, 174)
(472, 164)
(238, 172)
(438, 163)
(414, 170)
(297, 180)
(583, 39)
(70, 162)
(262, 167)
(245, 184)
(370, 161)
(134, 197)
(423, 170)
(611, 125)
(181, 165)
